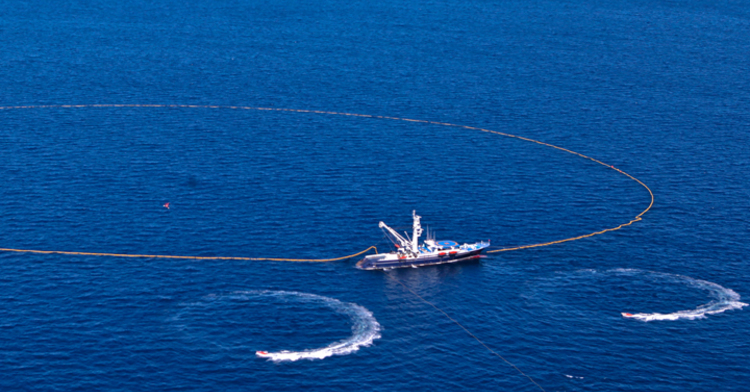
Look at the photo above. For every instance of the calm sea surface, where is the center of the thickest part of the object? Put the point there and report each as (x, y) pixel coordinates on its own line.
(660, 90)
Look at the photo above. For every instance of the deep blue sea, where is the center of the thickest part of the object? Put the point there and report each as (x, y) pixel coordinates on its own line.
(657, 89)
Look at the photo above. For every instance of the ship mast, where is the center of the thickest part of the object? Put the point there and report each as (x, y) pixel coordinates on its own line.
(417, 232)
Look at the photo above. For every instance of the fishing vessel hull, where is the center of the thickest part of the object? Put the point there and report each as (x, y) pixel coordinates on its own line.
(425, 258)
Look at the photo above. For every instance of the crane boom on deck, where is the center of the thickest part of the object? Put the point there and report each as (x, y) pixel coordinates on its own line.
(405, 242)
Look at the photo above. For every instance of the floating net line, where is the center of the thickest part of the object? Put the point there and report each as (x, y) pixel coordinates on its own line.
(635, 219)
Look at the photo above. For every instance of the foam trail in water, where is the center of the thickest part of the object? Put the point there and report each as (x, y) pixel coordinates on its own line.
(723, 299)
(365, 329)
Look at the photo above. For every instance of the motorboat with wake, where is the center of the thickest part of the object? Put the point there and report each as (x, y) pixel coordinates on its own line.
(410, 253)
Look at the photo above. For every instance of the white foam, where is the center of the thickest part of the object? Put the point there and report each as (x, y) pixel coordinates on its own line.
(723, 299)
(365, 329)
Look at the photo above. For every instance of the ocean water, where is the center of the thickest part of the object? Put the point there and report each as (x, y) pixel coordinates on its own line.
(659, 90)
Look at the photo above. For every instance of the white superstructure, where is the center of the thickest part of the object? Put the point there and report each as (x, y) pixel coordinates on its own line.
(410, 253)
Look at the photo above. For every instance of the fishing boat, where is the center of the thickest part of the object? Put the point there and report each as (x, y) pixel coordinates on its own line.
(410, 253)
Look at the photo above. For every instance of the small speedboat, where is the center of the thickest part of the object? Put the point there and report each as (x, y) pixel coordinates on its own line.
(410, 253)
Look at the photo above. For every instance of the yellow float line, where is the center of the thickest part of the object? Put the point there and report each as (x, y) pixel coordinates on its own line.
(60, 252)
(636, 219)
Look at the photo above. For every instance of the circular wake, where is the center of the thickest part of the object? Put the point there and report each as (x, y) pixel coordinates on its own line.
(723, 299)
(592, 294)
(365, 329)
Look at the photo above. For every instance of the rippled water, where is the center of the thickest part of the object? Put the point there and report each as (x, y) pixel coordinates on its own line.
(659, 90)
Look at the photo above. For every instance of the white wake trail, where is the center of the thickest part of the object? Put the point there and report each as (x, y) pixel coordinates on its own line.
(723, 299)
(365, 329)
